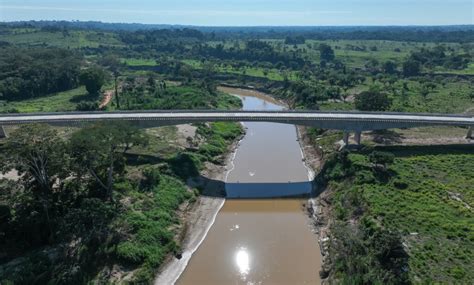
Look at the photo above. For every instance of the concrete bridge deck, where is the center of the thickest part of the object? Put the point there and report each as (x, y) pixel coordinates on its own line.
(346, 121)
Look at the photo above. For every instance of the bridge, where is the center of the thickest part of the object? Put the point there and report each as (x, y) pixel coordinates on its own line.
(346, 121)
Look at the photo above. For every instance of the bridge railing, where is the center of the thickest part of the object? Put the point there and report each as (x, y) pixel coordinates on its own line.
(236, 111)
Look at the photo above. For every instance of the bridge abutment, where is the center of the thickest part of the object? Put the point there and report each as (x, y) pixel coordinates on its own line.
(469, 133)
(3, 134)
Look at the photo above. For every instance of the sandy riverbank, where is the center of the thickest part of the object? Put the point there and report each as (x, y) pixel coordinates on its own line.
(200, 217)
(253, 93)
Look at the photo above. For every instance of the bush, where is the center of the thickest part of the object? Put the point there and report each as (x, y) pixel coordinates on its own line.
(368, 255)
(87, 106)
(372, 101)
(399, 184)
(152, 178)
(381, 157)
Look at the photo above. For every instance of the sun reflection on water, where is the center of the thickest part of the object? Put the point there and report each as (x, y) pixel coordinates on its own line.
(242, 260)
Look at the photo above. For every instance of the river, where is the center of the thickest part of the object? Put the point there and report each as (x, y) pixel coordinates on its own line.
(257, 239)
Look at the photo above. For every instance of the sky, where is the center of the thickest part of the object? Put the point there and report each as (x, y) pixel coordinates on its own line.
(246, 12)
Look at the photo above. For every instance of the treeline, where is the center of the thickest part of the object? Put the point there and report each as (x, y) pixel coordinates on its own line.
(192, 43)
(33, 72)
(157, 36)
(440, 56)
(254, 51)
(461, 33)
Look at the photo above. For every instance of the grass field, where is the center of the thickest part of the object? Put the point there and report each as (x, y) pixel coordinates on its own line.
(72, 39)
(451, 97)
(467, 71)
(139, 62)
(62, 101)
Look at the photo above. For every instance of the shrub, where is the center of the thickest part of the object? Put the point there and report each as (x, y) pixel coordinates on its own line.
(87, 106)
(381, 157)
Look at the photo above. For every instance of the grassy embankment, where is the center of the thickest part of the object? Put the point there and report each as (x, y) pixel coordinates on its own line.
(422, 204)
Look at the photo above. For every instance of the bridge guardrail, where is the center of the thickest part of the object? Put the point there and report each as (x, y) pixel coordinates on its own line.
(237, 111)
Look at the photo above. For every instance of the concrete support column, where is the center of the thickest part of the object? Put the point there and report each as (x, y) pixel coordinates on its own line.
(469, 133)
(357, 137)
(3, 134)
(345, 138)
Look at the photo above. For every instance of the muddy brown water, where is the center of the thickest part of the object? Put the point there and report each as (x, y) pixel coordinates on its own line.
(260, 241)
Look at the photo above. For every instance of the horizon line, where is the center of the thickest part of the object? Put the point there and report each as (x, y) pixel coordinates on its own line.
(240, 26)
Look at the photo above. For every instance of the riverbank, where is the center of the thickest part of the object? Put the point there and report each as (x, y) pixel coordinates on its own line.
(199, 217)
(317, 207)
(248, 91)
(385, 210)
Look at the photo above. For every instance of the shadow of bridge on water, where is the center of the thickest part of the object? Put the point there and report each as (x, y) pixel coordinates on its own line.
(251, 190)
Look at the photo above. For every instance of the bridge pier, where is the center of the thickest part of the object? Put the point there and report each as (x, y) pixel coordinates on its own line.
(469, 133)
(3, 134)
(345, 138)
(357, 137)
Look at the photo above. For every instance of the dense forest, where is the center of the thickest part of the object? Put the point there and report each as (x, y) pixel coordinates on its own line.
(30, 73)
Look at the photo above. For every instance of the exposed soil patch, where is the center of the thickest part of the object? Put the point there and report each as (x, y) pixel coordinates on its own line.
(418, 136)
(12, 175)
(108, 94)
(187, 135)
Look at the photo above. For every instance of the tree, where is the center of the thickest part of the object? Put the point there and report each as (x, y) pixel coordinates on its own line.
(38, 154)
(404, 96)
(93, 78)
(327, 53)
(151, 82)
(424, 91)
(372, 100)
(100, 150)
(390, 67)
(411, 68)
